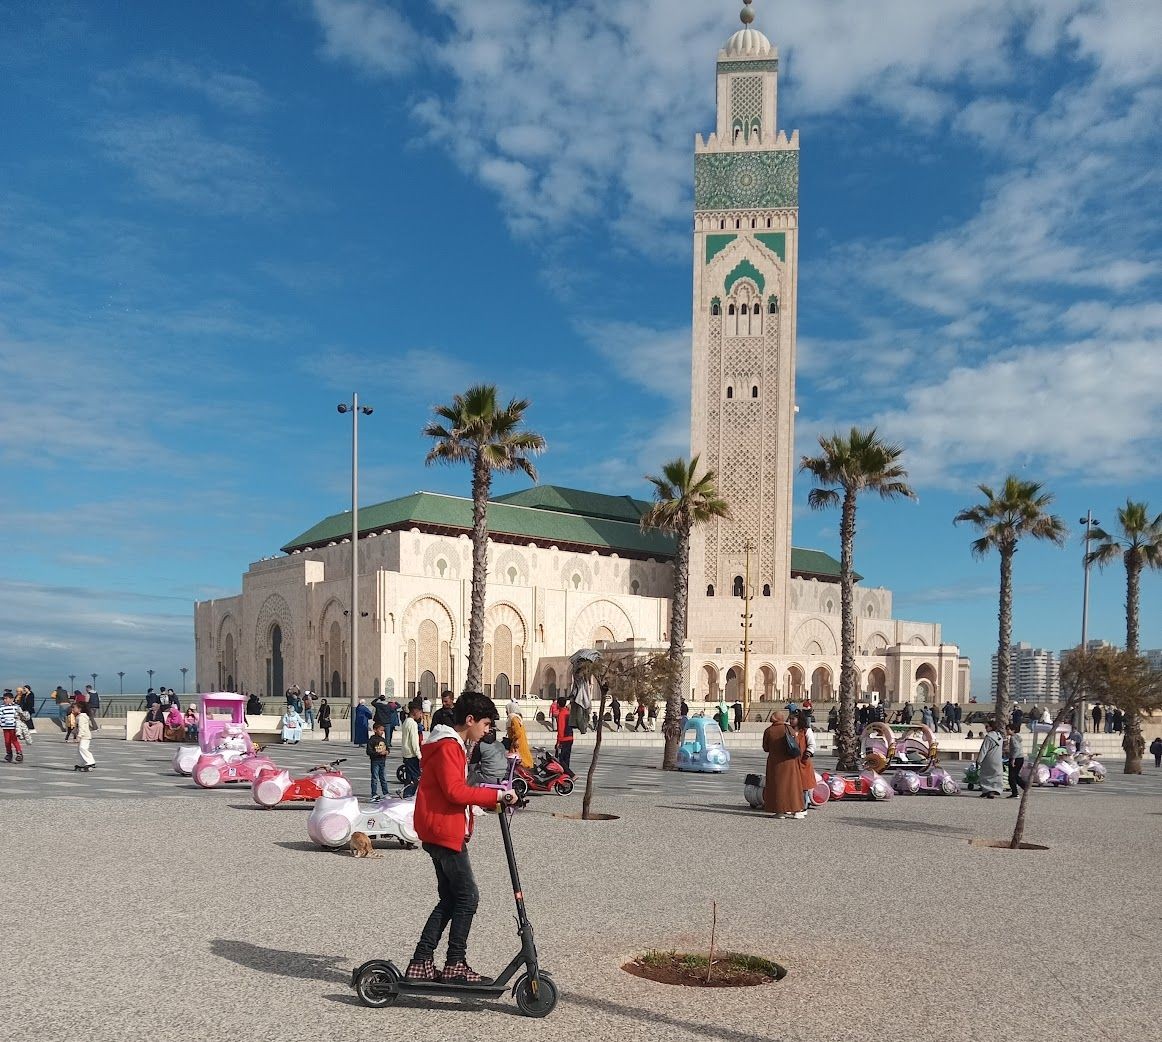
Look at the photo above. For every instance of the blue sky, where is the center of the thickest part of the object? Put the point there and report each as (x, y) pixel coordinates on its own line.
(217, 220)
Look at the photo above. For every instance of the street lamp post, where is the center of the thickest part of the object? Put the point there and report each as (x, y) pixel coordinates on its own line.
(94, 676)
(748, 546)
(184, 670)
(1090, 522)
(355, 409)
(121, 682)
(72, 682)
(150, 672)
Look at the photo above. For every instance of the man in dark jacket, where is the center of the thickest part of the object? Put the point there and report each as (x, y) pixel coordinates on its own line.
(443, 715)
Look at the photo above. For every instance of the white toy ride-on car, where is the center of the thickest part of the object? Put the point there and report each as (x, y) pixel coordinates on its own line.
(333, 820)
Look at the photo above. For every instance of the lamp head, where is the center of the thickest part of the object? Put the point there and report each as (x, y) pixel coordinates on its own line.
(367, 410)
(343, 407)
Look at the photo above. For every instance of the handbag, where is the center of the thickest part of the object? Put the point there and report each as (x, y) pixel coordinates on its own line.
(792, 745)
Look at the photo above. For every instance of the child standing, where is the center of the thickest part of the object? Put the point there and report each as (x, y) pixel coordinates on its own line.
(410, 747)
(9, 714)
(377, 752)
(443, 820)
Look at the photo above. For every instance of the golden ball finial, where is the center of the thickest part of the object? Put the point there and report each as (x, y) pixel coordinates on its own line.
(746, 14)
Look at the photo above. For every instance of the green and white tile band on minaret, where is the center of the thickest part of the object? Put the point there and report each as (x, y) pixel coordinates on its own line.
(746, 234)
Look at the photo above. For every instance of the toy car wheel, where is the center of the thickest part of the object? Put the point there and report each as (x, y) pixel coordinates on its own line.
(401, 773)
(207, 777)
(948, 787)
(535, 1000)
(880, 789)
(1040, 775)
(268, 793)
(909, 783)
(820, 794)
(521, 787)
(564, 787)
(376, 986)
(334, 830)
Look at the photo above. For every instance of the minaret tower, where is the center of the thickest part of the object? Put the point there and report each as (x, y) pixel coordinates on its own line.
(746, 239)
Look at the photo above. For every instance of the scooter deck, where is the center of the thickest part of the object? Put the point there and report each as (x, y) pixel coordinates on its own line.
(435, 987)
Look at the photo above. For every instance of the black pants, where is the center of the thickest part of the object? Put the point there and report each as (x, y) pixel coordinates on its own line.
(565, 754)
(458, 902)
(1158, 759)
(1015, 774)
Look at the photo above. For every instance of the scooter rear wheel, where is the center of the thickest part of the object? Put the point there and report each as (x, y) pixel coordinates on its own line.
(401, 773)
(540, 1004)
(375, 987)
(520, 787)
(564, 787)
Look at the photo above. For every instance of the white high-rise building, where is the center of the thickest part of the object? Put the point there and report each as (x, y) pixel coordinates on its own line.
(1034, 673)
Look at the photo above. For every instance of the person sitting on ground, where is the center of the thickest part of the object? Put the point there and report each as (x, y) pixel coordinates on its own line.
(443, 821)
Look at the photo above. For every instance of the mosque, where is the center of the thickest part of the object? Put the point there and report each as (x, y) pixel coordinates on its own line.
(569, 569)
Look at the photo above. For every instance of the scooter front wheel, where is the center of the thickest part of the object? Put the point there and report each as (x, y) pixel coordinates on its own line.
(538, 1001)
(376, 987)
(564, 787)
(520, 787)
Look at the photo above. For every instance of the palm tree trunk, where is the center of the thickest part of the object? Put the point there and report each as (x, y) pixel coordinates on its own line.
(845, 739)
(481, 487)
(671, 726)
(1133, 743)
(1133, 581)
(1005, 635)
(588, 798)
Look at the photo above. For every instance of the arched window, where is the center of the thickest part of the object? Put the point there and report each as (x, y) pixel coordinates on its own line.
(737, 224)
(635, 586)
(754, 391)
(722, 225)
(743, 310)
(441, 567)
(576, 582)
(738, 592)
(709, 591)
(773, 306)
(730, 309)
(730, 392)
(512, 575)
(715, 308)
(768, 222)
(753, 223)
(767, 590)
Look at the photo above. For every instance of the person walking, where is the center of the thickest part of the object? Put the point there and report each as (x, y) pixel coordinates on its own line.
(927, 719)
(639, 719)
(1095, 714)
(325, 719)
(518, 740)
(957, 713)
(377, 754)
(9, 716)
(615, 712)
(1156, 751)
(988, 760)
(93, 705)
(361, 725)
(1119, 716)
(410, 746)
(26, 701)
(63, 707)
(71, 723)
(783, 794)
(1109, 719)
(564, 749)
(426, 709)
(736, 709)
(1015, 753)
(86, 761)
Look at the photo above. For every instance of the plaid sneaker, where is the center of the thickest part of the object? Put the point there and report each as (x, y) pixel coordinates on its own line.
(462, 973)
(422, 970)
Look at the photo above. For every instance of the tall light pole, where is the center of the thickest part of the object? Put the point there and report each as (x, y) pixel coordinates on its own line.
(121, 682)
(94, 676)
(150, 672)
(748, 546)
(184, 670)
(72, 682)
(1090, 522)
(355, 409)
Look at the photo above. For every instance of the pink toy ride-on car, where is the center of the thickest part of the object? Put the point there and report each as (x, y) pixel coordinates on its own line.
(214, 769)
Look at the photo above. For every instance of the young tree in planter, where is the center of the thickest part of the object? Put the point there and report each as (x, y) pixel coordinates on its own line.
(629, 677)
(1078, 673)
(474, 429)
(1140, 546)
(1018, 510)
(847, 466)
(683, 499)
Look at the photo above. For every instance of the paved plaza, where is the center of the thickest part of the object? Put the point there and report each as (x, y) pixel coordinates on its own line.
(196, 915)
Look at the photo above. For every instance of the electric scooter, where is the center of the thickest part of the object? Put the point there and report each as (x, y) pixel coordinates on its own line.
(379, 982)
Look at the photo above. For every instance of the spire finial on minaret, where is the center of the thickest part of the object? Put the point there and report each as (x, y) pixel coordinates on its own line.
(746, 15)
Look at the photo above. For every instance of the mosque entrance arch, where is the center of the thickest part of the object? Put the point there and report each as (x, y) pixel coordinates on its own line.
(274, 663)
(428, 684)
(502, 688)
(336, 691)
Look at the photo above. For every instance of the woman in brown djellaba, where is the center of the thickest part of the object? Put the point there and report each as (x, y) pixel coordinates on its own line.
(783, 795)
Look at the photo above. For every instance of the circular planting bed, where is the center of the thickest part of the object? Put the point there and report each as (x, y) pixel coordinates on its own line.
(730, 969)
(1004, 844)
(592, 817)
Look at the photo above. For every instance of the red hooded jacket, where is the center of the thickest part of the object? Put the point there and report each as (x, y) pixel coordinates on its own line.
(444, 796)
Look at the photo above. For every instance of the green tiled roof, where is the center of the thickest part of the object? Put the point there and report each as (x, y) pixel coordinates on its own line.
(575, 501)
(546, 514)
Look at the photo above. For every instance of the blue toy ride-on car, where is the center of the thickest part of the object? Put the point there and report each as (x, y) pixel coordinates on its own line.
(703, 749)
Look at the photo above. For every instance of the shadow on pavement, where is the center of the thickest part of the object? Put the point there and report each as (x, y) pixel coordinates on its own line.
(446, 1003)
(708, 1031)
(717, 808)
(302, 844)
(888, 825)
(299, 965)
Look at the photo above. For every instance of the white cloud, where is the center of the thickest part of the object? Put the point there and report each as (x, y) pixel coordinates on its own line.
(174, 159)
(230, 91)
(374, 37)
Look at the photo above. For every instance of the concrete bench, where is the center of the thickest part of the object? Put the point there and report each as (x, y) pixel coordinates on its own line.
(263, 729)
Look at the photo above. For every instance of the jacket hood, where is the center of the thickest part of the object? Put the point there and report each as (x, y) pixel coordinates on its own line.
(442, 733)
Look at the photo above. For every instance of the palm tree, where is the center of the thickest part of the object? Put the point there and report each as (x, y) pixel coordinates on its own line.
(475, 430)
(683, 498)
(859, 462)
(1140, 547)
(1019, 510)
